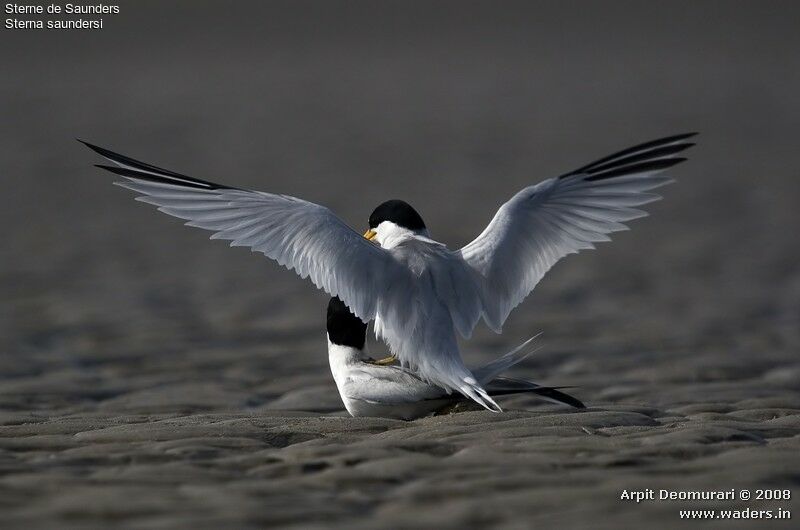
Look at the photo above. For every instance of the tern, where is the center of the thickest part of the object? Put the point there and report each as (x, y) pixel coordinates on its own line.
(420, 293)
(369, 389)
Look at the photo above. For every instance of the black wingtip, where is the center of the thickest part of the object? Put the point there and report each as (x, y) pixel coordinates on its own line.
(107, 153)
(681, 136)
(139, 175)
(96, 149)
(667, 145)
(652, 165)
(118, 170)
(129, 167)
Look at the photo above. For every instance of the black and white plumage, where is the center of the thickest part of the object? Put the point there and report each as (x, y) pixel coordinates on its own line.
(560, 216)
(368, 389)
(419, 292)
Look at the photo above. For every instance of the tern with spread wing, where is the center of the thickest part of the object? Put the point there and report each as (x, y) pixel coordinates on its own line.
(420, 293)
(369, 389)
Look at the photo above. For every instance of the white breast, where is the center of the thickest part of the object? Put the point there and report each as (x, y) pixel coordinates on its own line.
(341, 360)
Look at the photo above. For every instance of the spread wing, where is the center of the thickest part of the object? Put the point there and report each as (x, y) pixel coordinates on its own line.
(299, 235)
(543, 223)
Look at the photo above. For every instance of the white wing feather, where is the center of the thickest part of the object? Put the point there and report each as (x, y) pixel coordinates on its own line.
(298, 234)
(373, 282)
(417, 309)
(560, 216)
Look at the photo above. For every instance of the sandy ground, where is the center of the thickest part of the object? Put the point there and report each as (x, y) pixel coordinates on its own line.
(150, 378)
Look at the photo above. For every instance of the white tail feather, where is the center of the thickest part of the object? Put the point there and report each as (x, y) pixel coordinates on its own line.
(492, 369)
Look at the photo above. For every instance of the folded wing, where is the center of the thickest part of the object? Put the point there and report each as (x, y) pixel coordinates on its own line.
(299, 235)
(543, 223)
(388, 385)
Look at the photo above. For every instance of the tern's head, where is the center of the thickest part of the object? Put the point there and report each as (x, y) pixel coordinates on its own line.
(344, 328)
(393, 219)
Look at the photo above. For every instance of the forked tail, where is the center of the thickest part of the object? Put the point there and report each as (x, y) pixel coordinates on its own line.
(487, 376)
(471, 389)
(492, 369)
(503, 386)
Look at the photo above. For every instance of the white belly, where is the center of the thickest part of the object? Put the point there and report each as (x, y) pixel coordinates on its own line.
(343, 360)
(401, 411)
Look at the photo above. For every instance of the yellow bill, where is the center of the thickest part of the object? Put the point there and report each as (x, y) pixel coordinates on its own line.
(369, 234)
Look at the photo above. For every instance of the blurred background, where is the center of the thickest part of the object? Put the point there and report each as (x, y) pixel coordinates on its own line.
(107, 305)
(450, 106)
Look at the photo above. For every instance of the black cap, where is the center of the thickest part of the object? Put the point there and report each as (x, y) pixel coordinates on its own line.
(344, 328)
(399, 212)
